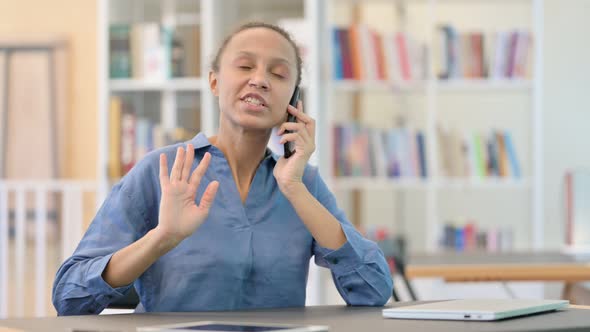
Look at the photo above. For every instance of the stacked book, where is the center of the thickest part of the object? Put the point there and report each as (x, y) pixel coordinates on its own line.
(363, 151)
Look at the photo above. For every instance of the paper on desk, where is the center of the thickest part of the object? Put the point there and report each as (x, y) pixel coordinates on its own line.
(6, 329)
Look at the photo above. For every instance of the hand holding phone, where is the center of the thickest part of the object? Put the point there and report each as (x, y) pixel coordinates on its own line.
(288, 146)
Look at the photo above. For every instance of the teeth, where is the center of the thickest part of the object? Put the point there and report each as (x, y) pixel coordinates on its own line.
(253, 101)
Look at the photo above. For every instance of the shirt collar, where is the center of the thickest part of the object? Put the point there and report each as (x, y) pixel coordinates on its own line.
(201, 141)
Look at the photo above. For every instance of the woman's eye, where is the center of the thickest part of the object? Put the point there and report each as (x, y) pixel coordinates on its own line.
(278, 75)
(245, 67)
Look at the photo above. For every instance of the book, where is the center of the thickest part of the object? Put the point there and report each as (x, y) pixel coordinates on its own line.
(364, 151)
(149, 52)
(362, 53)
(462, 54)
(119, 51)
(577, 209)
(338, 67)
(186, 56)
(115, 113)
(466, 234)
(477, 155)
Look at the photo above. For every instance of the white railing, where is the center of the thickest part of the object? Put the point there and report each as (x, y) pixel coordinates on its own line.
(70, 223)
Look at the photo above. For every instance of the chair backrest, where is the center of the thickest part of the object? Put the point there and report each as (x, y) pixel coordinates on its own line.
(394, 250)
(129, 301)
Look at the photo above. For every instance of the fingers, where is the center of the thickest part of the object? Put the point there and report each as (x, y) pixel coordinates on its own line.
(164, 179)
(290, 126)
(188, 163)
(301, 143)
(178, 164)
(289, 137)
(295, 128)
(208, 196)
(199, 172)
(299, 114)
(301, 117)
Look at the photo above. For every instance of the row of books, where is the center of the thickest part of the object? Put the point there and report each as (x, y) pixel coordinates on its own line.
(361, 53)
(477, 155)
(469, 237)
(153, 52)
(500, 55)
(131, 137)
(364, 151)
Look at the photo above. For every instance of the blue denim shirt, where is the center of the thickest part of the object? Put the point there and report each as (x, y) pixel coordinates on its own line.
(251, 255)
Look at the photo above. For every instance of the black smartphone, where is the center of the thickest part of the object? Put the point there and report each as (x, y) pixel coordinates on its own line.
(289, 149)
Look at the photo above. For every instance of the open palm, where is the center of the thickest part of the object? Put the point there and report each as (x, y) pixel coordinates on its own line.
(179, 215)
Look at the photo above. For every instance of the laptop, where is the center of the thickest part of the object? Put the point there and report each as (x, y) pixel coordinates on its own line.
(474, 309)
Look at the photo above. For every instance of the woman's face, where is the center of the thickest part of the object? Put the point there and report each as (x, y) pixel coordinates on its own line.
(256, 78)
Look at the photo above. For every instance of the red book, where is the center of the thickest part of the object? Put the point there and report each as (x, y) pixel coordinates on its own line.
(404, 58)
(513, 43)
(470, 236)
(355, 52)
(569, 209)
(346, 60)
(128, 127)
(477, 53)
(379, 55)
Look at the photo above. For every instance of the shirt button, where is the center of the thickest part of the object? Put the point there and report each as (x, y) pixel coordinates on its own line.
(334, 260)
(348, 289)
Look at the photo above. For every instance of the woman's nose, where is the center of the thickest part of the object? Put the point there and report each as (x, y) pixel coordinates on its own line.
(259, 80)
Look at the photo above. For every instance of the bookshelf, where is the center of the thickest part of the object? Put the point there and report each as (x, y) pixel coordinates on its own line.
(322, 93)
(150, 70)
(178, 84)
(432, 100)
(423, 103)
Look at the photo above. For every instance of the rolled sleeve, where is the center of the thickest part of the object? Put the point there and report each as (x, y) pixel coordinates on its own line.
(101, 290)
(342, 260)
(359, 269)
(79, 287)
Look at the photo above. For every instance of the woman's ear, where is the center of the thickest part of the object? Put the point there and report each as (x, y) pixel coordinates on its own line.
(213, 83)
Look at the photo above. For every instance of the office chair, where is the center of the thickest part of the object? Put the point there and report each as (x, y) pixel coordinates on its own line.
(394, 251)
(129, 301)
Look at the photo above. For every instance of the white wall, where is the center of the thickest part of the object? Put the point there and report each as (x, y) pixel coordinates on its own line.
(566, 103)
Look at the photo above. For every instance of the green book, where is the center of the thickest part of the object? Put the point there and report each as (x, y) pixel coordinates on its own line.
(119, 51)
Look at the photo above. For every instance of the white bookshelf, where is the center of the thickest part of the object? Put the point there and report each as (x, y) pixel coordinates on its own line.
(482, 85)
(217, 17)
(368, 183)
(361, 183)
(378, 86)
(166, 92)
(493, 183)
(176, 84)
(433, 92)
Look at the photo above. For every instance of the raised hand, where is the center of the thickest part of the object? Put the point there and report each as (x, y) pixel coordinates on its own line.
(179, 215)
(289, 172)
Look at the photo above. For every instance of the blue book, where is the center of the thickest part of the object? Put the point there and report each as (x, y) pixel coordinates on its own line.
(337, 65)
(514, 165)
(493, 168)
(421, 154)
(393, 169)
(459, 239)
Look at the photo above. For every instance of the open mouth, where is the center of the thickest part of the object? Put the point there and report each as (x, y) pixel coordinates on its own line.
(254, 100)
